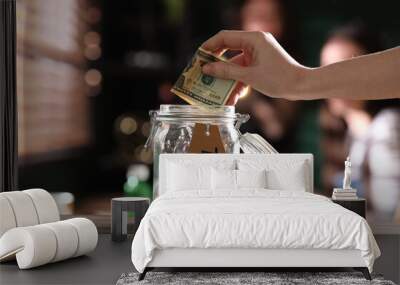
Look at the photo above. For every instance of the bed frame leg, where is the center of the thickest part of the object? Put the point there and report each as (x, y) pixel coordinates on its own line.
(143, 274)
(364, 271)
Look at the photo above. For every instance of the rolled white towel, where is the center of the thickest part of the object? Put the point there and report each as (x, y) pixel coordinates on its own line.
(7, 218)
(46, 207)
(23, 208)
(40, 244)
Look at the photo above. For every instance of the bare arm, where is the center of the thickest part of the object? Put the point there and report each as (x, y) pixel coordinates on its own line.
(265, 65)
(373, 76)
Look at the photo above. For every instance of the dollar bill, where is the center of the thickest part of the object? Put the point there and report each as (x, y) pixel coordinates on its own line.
(197, 88)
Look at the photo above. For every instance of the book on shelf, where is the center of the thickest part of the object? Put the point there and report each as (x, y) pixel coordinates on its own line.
(345, 194)
(340, 190)
(344, 198)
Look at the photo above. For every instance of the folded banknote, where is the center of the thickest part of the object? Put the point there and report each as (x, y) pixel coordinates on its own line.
(198, 88)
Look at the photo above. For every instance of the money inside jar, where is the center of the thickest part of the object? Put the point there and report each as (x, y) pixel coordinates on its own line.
(198, 88)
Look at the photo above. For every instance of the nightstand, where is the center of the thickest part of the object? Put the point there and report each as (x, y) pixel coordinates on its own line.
(357, 205)
(119, 208)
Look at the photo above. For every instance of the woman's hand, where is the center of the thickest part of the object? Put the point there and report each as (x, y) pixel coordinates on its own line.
(263, 63)
(268, 68)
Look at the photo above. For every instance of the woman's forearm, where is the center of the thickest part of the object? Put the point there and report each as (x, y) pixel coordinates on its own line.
(369, 77)
(268, 68)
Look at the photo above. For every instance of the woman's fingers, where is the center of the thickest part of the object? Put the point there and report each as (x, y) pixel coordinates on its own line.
(220, 52)
(261, 55)
(233, 99)
(234, 40)
(239, 90)
(225, 70)
(231, 70)
(243, 59)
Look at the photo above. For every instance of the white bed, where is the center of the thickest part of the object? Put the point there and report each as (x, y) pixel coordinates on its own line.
(199, 223)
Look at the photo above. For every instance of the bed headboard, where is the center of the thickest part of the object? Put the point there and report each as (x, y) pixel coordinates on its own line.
(232, 161)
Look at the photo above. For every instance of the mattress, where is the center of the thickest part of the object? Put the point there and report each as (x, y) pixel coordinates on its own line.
(251, 219)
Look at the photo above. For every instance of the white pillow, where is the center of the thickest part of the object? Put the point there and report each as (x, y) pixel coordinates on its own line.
(281, 174)
(223, 179)
(251, 178)
(296, 180)
(181, 177)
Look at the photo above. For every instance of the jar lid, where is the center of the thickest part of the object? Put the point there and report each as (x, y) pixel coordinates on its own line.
(255, 144)
(194, 111)
(168, 109)
(191, 113)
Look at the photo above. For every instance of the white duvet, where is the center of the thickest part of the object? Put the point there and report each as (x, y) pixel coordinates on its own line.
(254, 218)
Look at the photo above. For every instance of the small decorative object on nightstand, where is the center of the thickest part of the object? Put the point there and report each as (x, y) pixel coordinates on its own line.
(347, 196)
(357, 205)
(347, 174)
(346, 192)
(120, 208)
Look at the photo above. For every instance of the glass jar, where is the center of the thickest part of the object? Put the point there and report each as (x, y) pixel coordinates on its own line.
(173, 125)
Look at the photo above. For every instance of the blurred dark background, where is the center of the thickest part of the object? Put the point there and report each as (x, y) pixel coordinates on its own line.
(89, 71)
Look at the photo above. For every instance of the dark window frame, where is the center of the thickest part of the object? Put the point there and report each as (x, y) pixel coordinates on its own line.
(8, 98)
